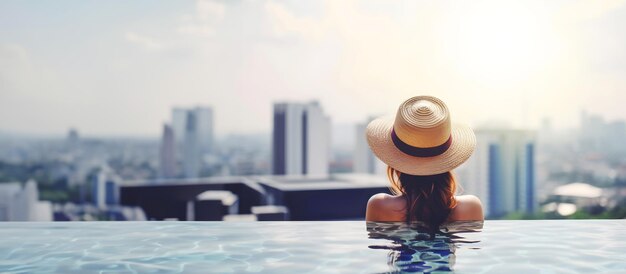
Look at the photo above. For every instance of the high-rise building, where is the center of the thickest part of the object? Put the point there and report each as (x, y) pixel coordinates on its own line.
(501, 172)
(192, 153)
(598, 135)
(105, 190)
(179, 122)
(72, 139)
(301, 139)
(167, 161)
(203, 125)
(193, 133)
(364, 160)
(19, 203)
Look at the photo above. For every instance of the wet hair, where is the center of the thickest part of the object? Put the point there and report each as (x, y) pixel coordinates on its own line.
(429, 199)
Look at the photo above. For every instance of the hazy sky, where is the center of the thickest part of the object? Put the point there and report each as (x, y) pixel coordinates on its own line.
(118, 67)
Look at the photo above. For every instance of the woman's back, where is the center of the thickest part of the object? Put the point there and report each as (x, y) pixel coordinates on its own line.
(389, 208)
(421, 147)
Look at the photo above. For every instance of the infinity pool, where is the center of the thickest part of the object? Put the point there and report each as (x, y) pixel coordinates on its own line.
(312, 247)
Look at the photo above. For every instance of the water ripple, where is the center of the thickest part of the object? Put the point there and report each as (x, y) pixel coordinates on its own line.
(312, 247)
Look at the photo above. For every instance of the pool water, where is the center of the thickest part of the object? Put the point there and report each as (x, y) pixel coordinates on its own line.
(313, 247)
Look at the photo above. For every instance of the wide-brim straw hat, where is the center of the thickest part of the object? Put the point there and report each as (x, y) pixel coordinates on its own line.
(421, 139)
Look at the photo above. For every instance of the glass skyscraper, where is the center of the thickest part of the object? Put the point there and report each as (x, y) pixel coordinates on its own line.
(193, 133)
(501, 172)
(300, 140)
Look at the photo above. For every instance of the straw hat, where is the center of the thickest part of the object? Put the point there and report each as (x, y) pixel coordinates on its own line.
(421, 140)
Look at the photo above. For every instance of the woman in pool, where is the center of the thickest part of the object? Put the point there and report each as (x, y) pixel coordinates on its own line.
(421, 148)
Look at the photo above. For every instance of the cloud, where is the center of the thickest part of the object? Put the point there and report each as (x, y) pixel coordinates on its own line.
(144, 41)
(379, 51)
(203, 23)
(356, 58)
(285, 23)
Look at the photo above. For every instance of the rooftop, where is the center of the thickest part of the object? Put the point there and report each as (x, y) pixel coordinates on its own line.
(581, 190)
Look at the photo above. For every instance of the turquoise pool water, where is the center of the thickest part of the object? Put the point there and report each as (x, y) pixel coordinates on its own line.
(312, 247)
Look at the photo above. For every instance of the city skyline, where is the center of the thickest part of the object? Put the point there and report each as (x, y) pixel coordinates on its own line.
(122, 78)
(501, 172)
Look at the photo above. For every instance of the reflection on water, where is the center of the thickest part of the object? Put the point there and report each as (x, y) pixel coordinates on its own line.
(563, 246)
(414, 249)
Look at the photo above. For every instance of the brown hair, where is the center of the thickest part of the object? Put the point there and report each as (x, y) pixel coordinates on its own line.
(429, 199)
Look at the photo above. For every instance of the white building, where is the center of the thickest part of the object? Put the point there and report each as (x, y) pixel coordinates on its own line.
(364, 160)
(570, 198)
(105, 191)
(167, 154)
(580, 194)
(203, 125)
(193, 132)
(501, 172)
(179, 122)
(192, 154)
(301, 139)
(19, 203)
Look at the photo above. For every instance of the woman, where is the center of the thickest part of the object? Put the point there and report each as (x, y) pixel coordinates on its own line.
(421, 148)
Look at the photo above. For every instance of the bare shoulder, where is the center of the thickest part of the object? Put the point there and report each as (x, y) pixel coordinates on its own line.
(468, 208)
(383, 207)
(385, 201)
(469, 199)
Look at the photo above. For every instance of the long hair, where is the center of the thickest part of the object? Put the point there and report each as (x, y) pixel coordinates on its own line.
(429, 199)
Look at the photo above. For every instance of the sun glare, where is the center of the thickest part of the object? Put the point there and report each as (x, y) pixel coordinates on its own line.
(499, 44)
